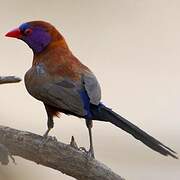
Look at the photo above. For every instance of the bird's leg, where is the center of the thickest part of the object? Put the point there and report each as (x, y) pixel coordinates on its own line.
(89, 125)
(50, 122)
(50, 125)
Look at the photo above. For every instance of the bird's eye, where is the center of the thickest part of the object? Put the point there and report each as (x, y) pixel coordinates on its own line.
(28, 31)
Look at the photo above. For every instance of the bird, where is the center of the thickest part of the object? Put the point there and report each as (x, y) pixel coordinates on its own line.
(65, 85)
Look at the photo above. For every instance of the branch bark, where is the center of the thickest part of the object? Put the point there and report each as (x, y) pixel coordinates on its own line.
(9, 79)
(51, 153)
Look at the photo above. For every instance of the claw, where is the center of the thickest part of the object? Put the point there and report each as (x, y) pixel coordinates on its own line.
(46, 133)
(45, 139)
(90, 153)
(82, 149)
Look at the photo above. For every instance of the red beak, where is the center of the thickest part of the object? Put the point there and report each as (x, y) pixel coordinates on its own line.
(16, 33)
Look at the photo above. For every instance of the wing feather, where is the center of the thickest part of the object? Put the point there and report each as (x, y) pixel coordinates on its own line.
(63, 95)
(92, 87)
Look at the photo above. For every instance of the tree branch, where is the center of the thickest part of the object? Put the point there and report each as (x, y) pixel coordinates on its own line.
(9, 79)
(51, 153)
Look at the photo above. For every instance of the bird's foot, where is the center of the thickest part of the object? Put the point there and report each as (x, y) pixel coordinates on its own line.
(45, 139)
(89, 153)
(82, 149)
(46, 133)
(43, 142)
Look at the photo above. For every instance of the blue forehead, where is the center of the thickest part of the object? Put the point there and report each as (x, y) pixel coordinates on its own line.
(24, 26)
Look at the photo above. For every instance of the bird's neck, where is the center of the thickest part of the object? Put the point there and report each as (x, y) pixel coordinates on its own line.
(55, 48)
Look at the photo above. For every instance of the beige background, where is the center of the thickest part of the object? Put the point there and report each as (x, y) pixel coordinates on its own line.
(133, 46)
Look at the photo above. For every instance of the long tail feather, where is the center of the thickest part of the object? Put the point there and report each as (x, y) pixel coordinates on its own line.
(106, 114)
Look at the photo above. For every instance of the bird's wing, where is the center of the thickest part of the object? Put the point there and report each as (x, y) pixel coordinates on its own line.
(72, 96)
(63, 94)
(92, 87)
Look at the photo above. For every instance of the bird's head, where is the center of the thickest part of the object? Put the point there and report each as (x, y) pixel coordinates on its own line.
(36, 34)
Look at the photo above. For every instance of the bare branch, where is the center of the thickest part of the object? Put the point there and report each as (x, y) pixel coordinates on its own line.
(54, 154)
(9, 79)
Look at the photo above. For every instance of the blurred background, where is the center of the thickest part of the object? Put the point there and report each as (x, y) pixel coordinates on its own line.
(133, 47)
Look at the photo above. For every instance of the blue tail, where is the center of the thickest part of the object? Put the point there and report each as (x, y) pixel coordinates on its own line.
(103, 113)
